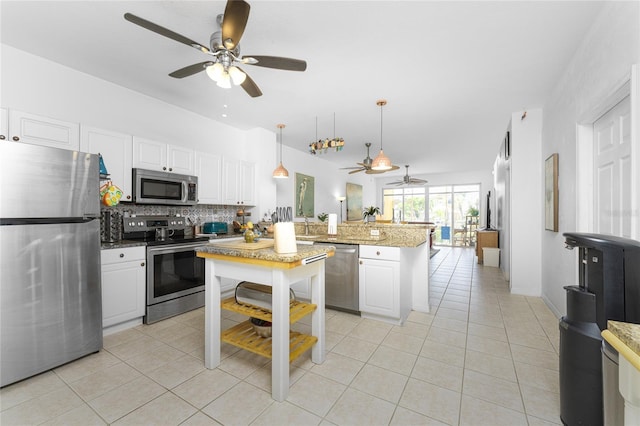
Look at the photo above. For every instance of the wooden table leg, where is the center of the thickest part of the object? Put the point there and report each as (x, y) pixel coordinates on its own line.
(318, 316)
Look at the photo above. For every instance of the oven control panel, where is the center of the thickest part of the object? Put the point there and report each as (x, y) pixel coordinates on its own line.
(150, 223)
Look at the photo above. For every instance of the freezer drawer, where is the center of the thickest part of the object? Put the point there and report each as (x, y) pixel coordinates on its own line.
(50, 296)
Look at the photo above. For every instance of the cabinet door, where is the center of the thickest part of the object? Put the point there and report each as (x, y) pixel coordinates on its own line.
(148, 154)
(123, 292)
(180, 160)
(34, 129)
(116, 150)
(247, 179)
(380, 287)
(4, 124)
(231, 184)
(209, 172)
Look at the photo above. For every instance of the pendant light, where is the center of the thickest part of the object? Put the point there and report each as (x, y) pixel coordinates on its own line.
(381, 162)
(280, 172)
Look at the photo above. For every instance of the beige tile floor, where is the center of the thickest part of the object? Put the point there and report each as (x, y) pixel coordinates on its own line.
(481, 357)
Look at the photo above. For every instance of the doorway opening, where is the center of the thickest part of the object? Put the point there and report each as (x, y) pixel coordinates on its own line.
(454, 209)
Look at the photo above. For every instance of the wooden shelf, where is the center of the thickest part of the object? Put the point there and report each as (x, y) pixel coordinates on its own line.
(297, 310)
(244, 336)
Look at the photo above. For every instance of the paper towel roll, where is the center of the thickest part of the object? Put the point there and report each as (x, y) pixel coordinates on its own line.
(333, 224)
(284, 236)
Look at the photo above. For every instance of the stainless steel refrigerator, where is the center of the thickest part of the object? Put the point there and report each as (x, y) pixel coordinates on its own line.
(50, 293)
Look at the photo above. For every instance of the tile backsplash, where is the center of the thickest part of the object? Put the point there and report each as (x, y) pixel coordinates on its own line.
(197, 215)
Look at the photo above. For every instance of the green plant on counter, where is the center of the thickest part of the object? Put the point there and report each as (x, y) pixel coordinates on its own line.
(369, 213)
(323, 217)
(473, 211)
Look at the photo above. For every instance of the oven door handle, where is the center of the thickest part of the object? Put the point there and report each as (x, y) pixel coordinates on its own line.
(173, 248)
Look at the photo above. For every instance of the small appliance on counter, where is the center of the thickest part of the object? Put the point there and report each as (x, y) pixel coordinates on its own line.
(215, 228)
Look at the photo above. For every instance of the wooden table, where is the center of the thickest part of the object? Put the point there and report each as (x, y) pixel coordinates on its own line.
(266, 267)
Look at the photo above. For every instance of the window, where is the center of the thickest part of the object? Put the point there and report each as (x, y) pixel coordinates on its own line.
(410, 201)
(454, 210)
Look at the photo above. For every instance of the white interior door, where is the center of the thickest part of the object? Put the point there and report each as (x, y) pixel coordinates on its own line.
(612, 171)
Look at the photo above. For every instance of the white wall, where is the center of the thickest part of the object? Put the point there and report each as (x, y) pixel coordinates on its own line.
(36, 85)
(526, 203)
(600, 65)
(329, 182)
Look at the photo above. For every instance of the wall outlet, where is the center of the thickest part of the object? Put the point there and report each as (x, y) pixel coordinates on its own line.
(375, 233)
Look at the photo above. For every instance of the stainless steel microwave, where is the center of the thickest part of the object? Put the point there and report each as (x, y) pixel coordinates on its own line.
(153, 187)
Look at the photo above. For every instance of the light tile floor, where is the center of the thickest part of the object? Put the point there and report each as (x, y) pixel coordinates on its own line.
(481, 357)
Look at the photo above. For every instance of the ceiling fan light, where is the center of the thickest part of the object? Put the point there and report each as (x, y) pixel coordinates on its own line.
(381, 162)
(215, 71)
(225, 81)
(237, 76)
(280, 172)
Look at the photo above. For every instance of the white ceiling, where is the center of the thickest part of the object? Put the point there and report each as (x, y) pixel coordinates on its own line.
(452, 71)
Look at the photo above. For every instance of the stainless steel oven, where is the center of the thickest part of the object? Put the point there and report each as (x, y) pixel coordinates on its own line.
(175, 276)
(175, 280)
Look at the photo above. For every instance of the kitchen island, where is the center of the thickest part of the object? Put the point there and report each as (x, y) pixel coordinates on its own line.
(265, 266)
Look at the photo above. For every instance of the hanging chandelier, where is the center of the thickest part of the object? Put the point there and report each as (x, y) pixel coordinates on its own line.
(321, 146)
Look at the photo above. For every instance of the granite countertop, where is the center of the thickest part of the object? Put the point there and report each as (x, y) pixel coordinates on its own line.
(121, 244)
(382, 240)
(628, 333)
(266, 254)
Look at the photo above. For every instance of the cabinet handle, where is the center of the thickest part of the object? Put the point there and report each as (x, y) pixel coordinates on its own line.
(142, 264)
(164, 168)
(2, 137)
(378, 253)
(170, 169)
(121, 254)
(16, 138)
(361, 262)
(128, 197)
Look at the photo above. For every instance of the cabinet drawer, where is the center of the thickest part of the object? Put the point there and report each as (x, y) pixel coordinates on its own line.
(126, 254)
(380, 252)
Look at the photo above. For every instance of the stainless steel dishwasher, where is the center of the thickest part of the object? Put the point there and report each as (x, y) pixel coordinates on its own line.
(341, 278)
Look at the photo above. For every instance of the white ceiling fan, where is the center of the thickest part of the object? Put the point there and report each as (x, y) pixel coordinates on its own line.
(407, 180)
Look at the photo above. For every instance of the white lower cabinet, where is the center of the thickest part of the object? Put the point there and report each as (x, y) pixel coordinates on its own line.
(123, 287)
(380, 286)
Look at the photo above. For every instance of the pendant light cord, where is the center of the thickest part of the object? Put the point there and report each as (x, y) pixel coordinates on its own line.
(381, 127)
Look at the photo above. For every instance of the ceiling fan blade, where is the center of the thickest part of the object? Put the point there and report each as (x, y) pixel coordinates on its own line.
(356, 171)
(349, 168)
(393, 167)
(374, 172)
(277, 62)
(165, 32)
(234, 22)
(190, 70)
(250, 86)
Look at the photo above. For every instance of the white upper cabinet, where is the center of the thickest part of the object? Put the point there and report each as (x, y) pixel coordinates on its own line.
(37, 130)
(209, 172)
(239, 182)
(152, 155)
(116, 149)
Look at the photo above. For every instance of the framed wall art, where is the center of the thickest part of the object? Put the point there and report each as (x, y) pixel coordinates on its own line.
(305, 195)
(354, 201)
(551, 193)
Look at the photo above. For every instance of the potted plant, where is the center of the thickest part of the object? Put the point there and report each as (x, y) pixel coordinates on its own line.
(369, 213)
(473, 211)
(322, 217)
